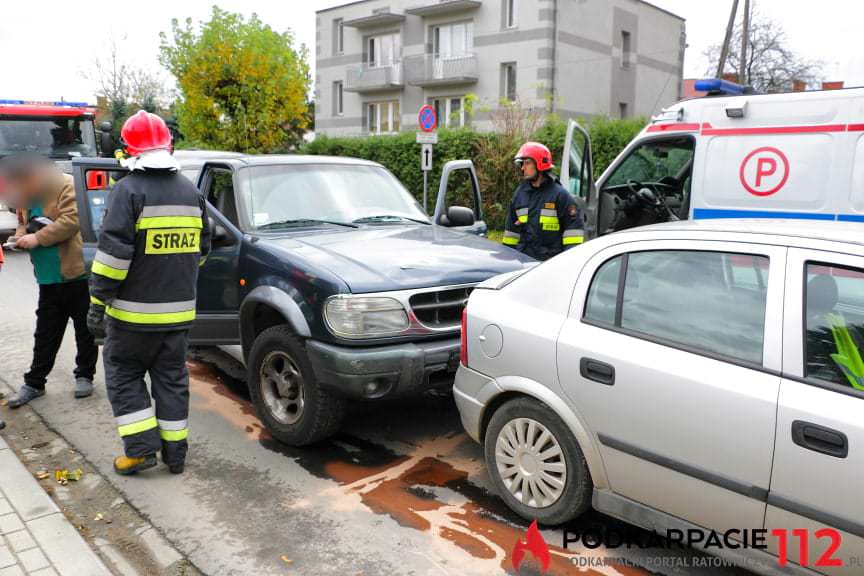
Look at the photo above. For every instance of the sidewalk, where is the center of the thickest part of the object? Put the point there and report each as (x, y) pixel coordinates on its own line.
(36, 537)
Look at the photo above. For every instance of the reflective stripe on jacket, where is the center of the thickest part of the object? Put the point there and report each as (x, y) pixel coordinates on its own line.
(543, 221)
(154, 234)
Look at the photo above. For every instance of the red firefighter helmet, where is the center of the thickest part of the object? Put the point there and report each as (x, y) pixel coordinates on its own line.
(537, 152)
(144, 132)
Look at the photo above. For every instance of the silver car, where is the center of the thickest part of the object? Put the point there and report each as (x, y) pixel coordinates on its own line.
(694, 375)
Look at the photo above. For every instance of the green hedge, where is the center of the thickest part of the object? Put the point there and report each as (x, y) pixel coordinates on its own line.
(401, 155)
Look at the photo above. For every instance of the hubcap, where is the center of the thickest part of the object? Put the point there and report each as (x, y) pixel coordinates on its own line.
(282, 387)
(530, 462)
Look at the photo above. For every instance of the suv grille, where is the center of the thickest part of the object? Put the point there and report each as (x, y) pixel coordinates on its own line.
(441, 309)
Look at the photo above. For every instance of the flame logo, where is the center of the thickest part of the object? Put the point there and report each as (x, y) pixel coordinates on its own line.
(533, 543)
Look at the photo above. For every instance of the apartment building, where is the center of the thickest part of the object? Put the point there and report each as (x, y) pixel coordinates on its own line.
(379, 61)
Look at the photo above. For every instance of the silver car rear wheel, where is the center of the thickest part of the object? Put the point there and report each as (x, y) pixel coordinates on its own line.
(530, 462)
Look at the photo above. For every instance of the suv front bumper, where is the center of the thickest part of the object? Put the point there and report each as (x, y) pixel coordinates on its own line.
(391, 371)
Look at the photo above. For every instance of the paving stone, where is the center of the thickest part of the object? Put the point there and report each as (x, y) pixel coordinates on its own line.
(6, 557)
(33, 559)
(12, 571)
(22, 490)
(10, 523)
(44, 572)
(5, 507)
(65, 548)
(20, 541)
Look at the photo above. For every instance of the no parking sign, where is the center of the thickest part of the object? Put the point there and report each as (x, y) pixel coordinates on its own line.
(427, 118)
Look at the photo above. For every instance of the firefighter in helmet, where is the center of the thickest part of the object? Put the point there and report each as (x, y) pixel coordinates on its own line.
(543, 219)
(153, 238)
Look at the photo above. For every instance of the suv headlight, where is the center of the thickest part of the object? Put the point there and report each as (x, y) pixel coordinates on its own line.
(365, 317)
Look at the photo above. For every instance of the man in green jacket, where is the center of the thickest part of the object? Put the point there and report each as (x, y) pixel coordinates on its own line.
(49, 230)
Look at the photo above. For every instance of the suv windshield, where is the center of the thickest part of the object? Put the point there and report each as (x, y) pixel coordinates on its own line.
(292, 195)
(53, 137)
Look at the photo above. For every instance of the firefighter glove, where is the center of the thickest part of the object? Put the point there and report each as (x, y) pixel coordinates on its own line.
(96, 321)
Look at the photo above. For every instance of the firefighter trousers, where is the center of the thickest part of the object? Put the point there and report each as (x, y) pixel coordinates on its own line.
(148, 425)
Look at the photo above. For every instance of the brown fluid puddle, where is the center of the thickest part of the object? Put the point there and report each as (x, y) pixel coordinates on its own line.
(402, 491)
(426, 489)
(210, 393)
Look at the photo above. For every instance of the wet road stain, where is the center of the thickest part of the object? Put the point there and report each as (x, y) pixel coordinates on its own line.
(423, 484)
(213, 391)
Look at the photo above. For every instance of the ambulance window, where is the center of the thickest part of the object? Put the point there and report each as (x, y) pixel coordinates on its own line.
(667, 162)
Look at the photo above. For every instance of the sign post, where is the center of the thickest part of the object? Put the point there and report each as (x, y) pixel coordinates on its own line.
(428, 121)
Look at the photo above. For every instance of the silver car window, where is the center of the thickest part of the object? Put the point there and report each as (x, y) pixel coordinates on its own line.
(603, 294)
(834, 324)
(711, 301)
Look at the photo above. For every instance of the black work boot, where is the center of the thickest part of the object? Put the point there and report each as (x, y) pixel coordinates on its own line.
(173, 467)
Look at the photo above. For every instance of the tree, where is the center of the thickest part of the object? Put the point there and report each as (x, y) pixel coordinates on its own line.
(770, 65)
(125, 86)
(243, 86)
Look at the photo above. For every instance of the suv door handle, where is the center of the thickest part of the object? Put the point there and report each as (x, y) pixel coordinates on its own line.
(820, 439)
(597, 371)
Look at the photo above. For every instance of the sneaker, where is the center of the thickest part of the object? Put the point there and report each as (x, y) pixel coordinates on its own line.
(83, 387)
(126, 466)
(25, 395)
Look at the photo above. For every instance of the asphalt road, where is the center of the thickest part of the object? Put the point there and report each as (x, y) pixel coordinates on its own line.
(400, 491)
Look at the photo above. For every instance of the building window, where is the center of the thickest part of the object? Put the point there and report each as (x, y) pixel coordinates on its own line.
(450, 111)
(338, 36)
(338, 99)
(453, 40)
(625, 49)
(384, 50)
(383, 117)
(508, 81)
(509, 13)
(622, 110)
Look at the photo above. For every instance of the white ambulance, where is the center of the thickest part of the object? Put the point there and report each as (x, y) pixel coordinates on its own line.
(730, 154)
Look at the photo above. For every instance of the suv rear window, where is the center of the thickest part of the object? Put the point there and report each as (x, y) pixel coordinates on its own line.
(834, 324)
(709, 301)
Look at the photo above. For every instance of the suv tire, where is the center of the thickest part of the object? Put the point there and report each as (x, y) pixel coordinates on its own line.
(295, 408)
(567, 487)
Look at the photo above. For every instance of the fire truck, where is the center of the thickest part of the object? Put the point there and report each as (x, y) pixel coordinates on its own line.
(59, 130)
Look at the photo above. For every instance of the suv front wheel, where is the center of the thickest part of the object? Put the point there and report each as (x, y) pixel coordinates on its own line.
(535, 463)
(294, 407)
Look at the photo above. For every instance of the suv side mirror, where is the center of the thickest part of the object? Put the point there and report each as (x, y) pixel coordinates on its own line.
(458, 216)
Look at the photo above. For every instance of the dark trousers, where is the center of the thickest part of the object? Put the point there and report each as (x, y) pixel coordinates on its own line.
(57, 304)
(128, 356)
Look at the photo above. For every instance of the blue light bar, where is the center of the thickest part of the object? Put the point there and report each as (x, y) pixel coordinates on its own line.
(719, 86)
(36, 103)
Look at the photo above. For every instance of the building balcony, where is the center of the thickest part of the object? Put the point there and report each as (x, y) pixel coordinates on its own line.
(369, 78)
(443, 8)
(436, 69)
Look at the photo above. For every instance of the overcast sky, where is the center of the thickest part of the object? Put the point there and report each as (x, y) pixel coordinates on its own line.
(45, 46)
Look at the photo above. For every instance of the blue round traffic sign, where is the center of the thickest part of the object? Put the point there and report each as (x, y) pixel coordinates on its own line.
(427, 119)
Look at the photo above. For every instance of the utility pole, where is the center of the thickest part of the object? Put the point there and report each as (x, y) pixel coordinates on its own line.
(745, 37)
(724, 50)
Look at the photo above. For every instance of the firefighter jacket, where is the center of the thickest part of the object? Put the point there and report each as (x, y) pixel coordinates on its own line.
(154, 236)
(544, 221)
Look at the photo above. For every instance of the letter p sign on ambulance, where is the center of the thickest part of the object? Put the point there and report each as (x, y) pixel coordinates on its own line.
(764, 171)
